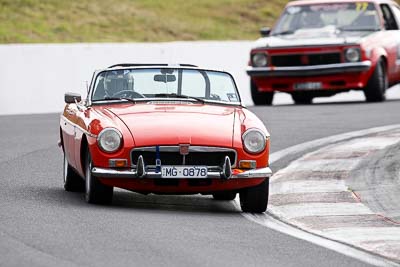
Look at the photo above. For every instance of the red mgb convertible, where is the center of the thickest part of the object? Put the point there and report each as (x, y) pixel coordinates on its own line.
(320, 48)
(165, 130)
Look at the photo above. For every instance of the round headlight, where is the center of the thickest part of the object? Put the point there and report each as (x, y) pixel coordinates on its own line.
(353, 55)
(254, 141)
(260, 60)
(109, 140)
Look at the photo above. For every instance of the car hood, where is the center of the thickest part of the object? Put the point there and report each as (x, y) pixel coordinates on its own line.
(195, 124)
(312, 37)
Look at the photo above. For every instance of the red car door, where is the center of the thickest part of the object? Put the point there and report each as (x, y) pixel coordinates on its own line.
(81, 115)
(68, 128)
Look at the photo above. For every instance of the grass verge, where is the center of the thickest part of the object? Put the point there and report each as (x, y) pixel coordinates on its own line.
(32, 21)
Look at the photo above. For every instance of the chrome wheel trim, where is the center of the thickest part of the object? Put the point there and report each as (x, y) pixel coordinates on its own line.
(65, 169)
(88, 177)
(383, 79)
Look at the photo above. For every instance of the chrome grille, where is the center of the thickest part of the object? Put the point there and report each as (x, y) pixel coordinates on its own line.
(198, 155)
(305, 59)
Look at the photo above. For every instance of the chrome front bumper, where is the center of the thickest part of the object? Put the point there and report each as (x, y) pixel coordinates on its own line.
(132, 173)
(299, 71)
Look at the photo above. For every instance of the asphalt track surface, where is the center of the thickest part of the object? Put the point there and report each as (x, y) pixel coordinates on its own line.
(42, 225)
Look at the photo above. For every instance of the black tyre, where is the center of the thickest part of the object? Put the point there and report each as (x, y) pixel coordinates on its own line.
(72, 181)
(227, 195)
(378, 83)
(255, 199)
(260, 98)
(301, 98)
(96, 192)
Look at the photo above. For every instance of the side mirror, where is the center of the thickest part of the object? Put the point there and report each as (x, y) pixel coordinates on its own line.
(70, 98)
(265, 31)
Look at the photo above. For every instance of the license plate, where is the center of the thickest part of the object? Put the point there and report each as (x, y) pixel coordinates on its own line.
(308, 86)
(183, 171)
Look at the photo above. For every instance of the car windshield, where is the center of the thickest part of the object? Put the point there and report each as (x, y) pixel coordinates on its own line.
(359, 16)
(145, 84)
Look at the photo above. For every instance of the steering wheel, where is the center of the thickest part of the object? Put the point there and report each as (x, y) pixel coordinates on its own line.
(128, 94)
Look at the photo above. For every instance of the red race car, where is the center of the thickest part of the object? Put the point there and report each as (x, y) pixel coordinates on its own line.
(165, 130)
(320, 48)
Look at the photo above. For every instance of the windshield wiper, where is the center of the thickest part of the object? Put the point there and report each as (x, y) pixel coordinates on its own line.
(283, 32)
(118, 98)
(358, 30)
(181, 96)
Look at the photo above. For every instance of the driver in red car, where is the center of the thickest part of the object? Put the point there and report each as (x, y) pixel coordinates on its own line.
(115, 82)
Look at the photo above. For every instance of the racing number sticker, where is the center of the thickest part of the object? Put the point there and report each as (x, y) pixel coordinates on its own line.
(361, 6)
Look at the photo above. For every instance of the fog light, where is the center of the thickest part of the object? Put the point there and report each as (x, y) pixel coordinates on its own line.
(247, 164)
(118, 163)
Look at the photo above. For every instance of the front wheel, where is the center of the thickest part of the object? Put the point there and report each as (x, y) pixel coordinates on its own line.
(378, 83)
(96, 192)
(260, 98)
(301, 98)
(72, 181)
(255, 199)
(227, 195)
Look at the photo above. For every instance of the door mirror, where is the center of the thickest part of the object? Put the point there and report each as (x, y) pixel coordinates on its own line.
(70, 98)
(265, 31)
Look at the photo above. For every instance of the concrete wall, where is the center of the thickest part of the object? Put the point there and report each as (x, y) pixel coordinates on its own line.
(34, 77)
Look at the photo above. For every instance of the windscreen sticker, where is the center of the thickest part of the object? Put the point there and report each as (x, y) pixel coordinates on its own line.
(232, 97)
(293, 9)
(361, 6)
(333, 7)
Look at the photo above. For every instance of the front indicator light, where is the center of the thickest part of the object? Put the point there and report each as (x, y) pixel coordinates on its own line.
(247, 164)
(118, 163)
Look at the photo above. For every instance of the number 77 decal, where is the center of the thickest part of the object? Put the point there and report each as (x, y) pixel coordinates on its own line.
(361, 6)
